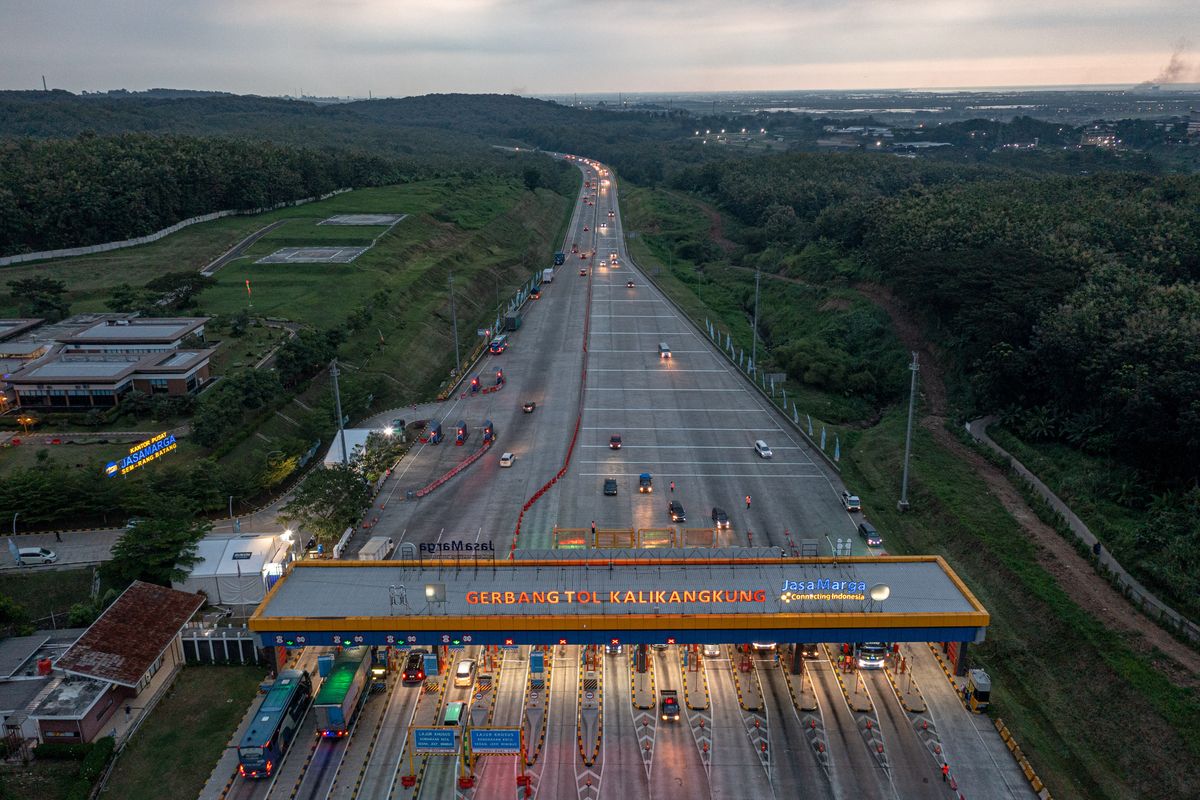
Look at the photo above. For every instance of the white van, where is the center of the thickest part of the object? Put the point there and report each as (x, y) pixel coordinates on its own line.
(762, 449)
(464, 674)
(37, 555)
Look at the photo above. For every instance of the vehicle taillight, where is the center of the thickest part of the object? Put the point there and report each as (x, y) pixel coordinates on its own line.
(241, 770)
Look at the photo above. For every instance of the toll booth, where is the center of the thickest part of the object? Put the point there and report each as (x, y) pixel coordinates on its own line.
(461, 432)
(475, 384)
(979, 691)
(489, 433)
(435, 433)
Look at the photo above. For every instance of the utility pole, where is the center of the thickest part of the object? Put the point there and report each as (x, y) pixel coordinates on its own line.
(454, 322)
(902, 505)
(337, 404)
(754, 333)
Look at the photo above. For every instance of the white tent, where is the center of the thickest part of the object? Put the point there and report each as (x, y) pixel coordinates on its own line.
(232, 570)
(356, 441)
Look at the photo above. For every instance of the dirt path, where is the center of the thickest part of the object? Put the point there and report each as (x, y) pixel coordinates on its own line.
(1073, 573)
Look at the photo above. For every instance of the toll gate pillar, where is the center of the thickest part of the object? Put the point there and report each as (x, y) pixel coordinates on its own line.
(640, 658)
(797, 659)
(961, 662)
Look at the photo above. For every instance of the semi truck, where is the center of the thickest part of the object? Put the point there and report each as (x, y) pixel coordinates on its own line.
(338, 699)
(548, 275)
(377, 548)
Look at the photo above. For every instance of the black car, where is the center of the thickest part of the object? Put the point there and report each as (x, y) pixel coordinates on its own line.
(529, 407)
(675, 509)
(414, 667)
(610, 486)
(719, 518)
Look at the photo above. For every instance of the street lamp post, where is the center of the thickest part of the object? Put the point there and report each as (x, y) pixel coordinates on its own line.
(14, 525)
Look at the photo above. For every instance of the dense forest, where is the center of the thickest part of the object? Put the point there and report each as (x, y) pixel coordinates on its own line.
(89, 189)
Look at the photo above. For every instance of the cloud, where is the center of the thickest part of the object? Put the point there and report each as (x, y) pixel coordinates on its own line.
(414, 46)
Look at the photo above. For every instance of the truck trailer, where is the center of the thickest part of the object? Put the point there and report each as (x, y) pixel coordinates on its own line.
(377, 548)
(338, 699)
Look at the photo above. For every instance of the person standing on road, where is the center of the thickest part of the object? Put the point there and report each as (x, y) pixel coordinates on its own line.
(672, 487)
(945, 771)
(747, 501)
(58, 536)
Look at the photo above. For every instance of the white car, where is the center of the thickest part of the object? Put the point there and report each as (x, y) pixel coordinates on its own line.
(507, 459)
(37, 555)
(711, 650)
(464, 673)
(851, 502)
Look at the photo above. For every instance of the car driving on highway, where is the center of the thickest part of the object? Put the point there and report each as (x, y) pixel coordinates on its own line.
(610, 487)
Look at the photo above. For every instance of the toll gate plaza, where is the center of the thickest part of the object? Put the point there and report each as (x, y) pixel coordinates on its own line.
(620, 597)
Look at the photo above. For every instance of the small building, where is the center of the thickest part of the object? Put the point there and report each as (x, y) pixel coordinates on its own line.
(122, 663)
(81, 380)
(26, 674)
(235, 571)
(138, 335)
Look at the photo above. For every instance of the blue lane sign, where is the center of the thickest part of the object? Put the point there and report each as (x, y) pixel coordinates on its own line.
(431, 665)
(498, 741)
(434, 740)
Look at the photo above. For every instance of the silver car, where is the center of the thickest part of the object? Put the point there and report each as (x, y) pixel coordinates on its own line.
(37, 555)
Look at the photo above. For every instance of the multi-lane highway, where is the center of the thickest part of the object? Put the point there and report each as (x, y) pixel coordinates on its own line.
(690, 420)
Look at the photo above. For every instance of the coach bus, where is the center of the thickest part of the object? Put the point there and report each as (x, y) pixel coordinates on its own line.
(275, 723)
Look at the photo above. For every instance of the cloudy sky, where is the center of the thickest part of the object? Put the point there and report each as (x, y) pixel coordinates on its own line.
(404, 47)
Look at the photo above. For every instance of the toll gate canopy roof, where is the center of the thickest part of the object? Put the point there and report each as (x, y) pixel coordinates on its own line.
(600, 597)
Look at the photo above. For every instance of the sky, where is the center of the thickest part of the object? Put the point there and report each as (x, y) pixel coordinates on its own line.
(407, 47)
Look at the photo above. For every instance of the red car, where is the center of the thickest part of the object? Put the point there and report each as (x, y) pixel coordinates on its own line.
(614, 441)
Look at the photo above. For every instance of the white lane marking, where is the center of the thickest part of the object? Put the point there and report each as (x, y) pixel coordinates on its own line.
(696, 475)
(635, 316)
(679, 447)
(673, 428)
(680, 332)
(646, 389)
(595, 350)
(705, 462)
(646, 369)
(660, 408)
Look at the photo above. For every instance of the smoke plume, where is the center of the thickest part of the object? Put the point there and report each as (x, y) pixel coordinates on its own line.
(1178, 66)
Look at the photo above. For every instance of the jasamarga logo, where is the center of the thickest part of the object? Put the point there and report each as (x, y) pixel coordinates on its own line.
(457, 546)
(824, 585)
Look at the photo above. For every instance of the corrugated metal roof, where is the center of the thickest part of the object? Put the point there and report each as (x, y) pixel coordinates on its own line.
(131, 634)
(516, 589)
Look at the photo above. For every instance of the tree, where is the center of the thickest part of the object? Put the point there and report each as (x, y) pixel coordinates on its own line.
(41, 297)
(158, 550)
(327, 502)
(379, 453)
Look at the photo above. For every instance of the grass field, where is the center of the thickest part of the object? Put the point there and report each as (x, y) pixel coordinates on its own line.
(173, 753)
(1096, 718)
(46, 592)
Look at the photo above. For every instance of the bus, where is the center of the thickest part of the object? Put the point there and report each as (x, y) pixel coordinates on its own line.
(275, 723)
(454, 714)
(342, 692)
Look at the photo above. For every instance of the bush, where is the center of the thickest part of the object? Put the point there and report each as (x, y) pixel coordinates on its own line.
(97, 759)
(61, 751)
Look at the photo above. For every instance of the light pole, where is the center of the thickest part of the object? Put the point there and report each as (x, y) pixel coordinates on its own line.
(454, 323)
(231, 506)
(15, 515)
(902, 505)
(337, 402)
(754, 332)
